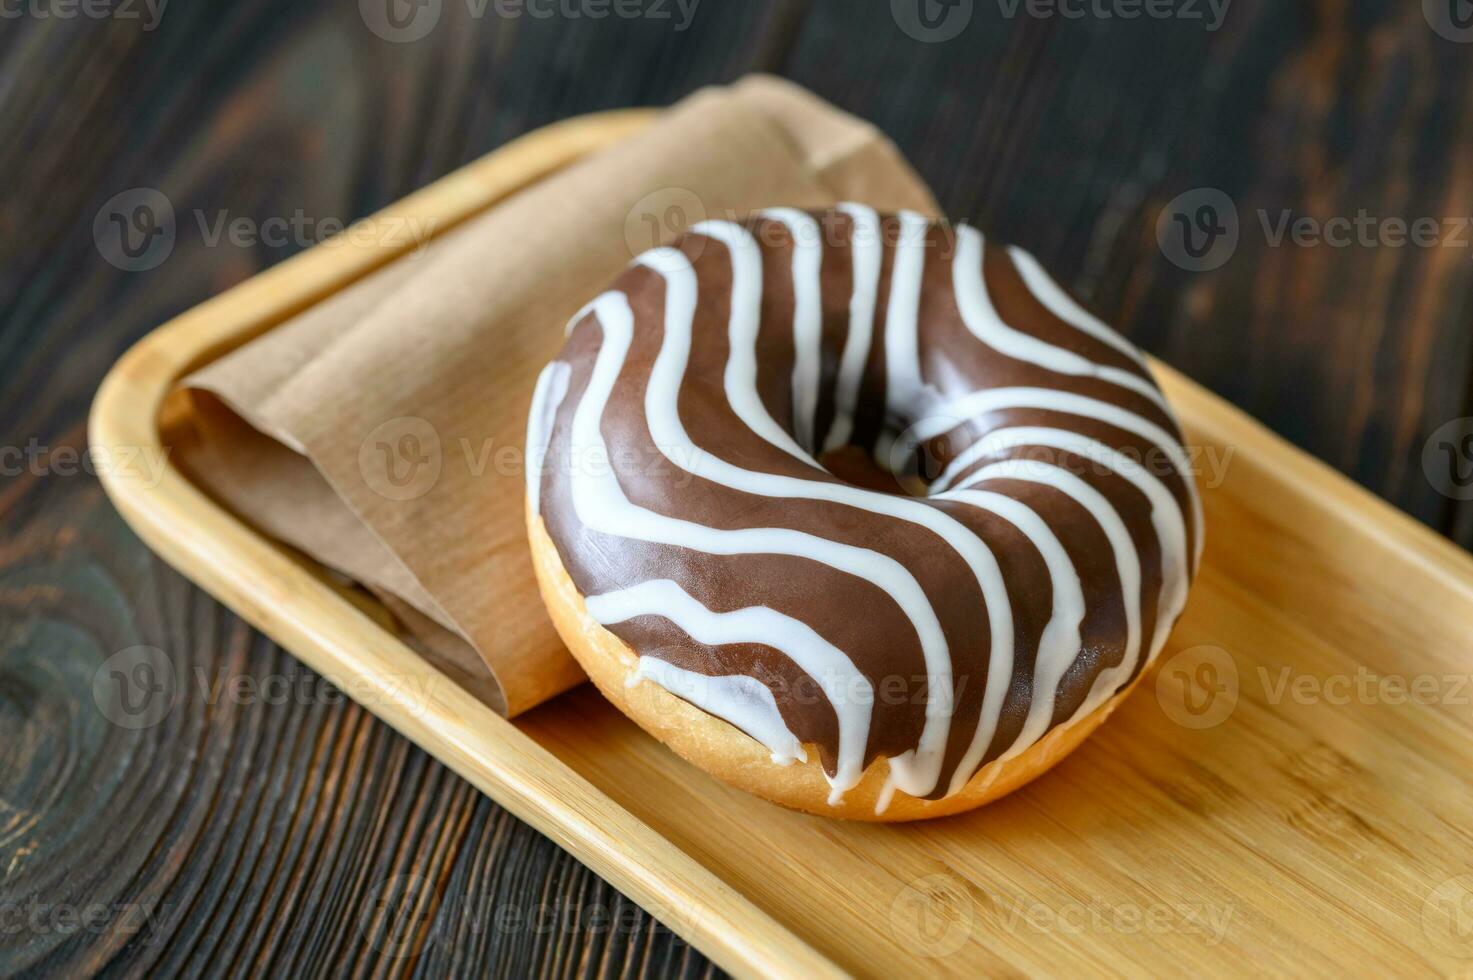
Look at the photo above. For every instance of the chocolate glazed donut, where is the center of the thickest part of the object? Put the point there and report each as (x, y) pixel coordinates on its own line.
(862, 484)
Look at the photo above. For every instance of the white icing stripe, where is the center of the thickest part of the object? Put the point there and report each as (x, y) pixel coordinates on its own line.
(1057, 647)
(740, 376)
(1127, 557)
(887, 794)
(807, 318)
(1062, 305)
(919, 774)
(600, 504)
(977, 403)
(846, 688)
(982, 320)
(865, 254)
(552, 387)
(1045, 399)
(743, 701)
(906, 395)
(577, 318)
(1166, 514)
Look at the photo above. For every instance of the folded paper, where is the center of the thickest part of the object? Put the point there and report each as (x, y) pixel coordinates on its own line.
(381, 431)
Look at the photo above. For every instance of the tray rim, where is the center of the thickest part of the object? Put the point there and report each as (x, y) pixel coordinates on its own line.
(272, 588)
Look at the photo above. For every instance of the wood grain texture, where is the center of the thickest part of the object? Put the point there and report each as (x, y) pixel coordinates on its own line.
(1303, 762)
(336, 630)
(267, 832)
(1070, 137)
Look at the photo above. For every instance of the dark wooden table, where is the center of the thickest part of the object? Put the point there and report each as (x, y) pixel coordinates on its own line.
(290, 831)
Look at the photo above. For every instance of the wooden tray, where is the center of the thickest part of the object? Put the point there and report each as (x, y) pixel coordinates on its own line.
(1267, 800)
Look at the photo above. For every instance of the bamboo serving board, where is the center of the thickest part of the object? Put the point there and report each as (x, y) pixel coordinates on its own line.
(1291, 790)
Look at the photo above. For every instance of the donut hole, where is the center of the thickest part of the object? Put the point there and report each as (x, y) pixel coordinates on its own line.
(893, 465)
(858, 468)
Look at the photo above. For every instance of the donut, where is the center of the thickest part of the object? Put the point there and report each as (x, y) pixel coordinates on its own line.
(856, 511)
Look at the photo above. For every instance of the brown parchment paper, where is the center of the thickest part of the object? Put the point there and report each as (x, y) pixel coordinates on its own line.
(381, 432)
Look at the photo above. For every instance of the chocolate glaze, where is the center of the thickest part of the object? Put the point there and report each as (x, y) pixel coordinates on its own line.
(854, 615)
